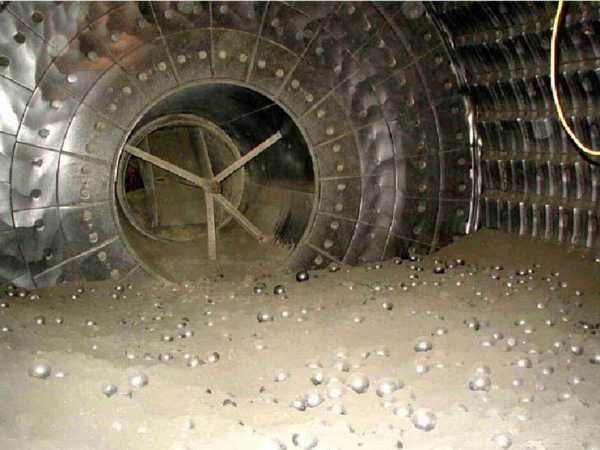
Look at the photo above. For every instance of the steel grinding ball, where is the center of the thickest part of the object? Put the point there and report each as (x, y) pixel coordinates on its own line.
(305, 441)
(359, 383)
(138, 380)
(213, 357)
(40, 370)
(317, 378)
(109, 389)
(313, 399)
(260, 288)
(502, 440)
(387, 386)
(264, 317)
(480, 382)
(424, 419)
(423, 345)
(299, 404)
(403, 410)
(279, 290)
(595, 359)
(302, 276)
(439, 269)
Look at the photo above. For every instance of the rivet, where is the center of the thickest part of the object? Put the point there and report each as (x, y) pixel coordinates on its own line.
(19, 38)
(37, 17)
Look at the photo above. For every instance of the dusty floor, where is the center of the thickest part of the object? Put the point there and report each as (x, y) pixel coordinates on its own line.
(524, 339)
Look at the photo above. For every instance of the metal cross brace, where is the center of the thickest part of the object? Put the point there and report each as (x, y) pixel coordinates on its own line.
(211, 188)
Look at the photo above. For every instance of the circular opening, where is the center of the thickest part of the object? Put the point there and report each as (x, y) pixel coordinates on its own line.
(145, 190)
(4, 61)
(164, 215)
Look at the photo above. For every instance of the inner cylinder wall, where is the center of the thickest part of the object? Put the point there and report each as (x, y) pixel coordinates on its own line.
(276, 191)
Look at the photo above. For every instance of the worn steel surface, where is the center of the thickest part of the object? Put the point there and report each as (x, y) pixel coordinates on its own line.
(535, 183)
(370, 85)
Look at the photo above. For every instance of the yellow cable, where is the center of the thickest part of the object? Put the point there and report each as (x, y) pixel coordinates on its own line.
(553, 69)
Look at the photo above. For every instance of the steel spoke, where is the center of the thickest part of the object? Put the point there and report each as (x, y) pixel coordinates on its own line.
(240, 218)
(210, 225)
(147, 171)
(248, 157)
(198, 141)
(204, 183)
(211, 186)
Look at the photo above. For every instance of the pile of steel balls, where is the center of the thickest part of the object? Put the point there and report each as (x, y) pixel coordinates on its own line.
(507, 361)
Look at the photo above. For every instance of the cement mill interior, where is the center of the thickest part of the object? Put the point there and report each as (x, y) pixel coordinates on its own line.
(281, 225)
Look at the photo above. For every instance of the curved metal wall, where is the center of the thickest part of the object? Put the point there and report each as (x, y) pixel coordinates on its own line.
(371, 85)
(535, 183)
